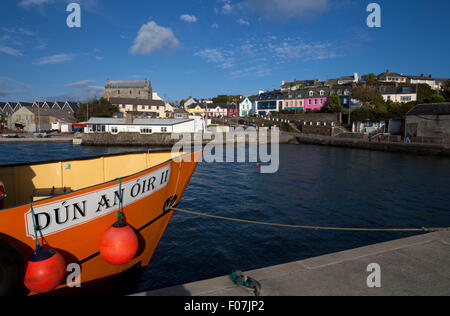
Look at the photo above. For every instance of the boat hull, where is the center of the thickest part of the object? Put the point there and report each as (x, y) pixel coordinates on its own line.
(74, 223)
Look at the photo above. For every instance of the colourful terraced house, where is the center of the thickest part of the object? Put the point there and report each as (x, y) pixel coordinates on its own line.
(294, 101)
(316, 98)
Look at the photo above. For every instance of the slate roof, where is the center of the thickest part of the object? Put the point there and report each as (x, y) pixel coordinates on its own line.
(59, 114)
(390, 74)
(391, 89)
(128, 84)
(137, 121)
(431, 109)
(137, 101)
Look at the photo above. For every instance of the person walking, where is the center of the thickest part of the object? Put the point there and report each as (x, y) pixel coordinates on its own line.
(408, 138)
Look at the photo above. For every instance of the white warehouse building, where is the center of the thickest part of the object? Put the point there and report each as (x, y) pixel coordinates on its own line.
(141, 126)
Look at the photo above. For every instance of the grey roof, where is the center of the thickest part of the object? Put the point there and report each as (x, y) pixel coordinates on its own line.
(59, 114)
(306, 83)
(391, 74)
(128, 84)
(391, 89)
(180, 110)
(431, 109)
(117, 121)
(137, 101)
(25, 103)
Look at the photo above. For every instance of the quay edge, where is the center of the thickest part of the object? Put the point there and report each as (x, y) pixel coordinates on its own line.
(416, 266)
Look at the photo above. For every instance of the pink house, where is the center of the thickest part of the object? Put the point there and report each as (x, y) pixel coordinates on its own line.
(315, 98)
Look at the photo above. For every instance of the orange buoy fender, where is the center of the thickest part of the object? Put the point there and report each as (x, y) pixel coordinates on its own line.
(119, 244)
(45, 270)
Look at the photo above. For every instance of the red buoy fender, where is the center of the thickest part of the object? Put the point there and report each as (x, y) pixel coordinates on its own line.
(119, 244)
(2, 195)
(45, 270)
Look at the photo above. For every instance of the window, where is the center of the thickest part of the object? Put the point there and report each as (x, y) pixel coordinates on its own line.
(311, 93)
(322, 92)
(146, 131)
(405, 99)
(114, 130)
(98, 128)
(163, 129)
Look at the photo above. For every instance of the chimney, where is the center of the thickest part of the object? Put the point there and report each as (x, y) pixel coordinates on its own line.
(430, 76)
(388, 71)
(422, 75)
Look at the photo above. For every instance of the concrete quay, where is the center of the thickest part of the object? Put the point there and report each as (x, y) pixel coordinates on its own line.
(414, 266)
(411, 148)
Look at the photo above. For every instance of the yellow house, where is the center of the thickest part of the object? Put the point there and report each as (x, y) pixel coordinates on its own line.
(196, 109)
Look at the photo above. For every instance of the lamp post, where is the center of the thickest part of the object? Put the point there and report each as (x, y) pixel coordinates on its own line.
(39, 115)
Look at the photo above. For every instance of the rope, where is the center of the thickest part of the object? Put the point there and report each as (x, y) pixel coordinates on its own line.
(120, 211)
(36, 228)
(313, 227)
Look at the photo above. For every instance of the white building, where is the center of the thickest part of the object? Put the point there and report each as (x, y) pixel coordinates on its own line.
(141, 126)
(435, 84)
(62, 127)
(401, 94)
(246, 108)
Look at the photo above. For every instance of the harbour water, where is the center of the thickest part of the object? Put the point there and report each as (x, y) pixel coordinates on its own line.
(323, 186)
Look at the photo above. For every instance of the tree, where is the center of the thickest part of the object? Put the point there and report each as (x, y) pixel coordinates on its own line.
(97, 108)
(437, 98)
(220, 99)
(424, 93)
(446, 91)
(368, 94)
(370, 79)
(333, 104)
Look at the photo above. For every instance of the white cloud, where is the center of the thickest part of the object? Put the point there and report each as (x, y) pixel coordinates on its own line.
(26, 32)
(223, 60)
(227, 7)
(287, 9)
(254, 71)
(188, 18)
(5, 47)
(9, 87)
(10, 51)
(80, 84)
(55, 59)
(215, 26)
(26, 4)
(152, 38)
(305, 51)
(243, 22)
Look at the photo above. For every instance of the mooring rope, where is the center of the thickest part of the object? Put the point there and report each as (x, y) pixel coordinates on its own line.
(423, 229)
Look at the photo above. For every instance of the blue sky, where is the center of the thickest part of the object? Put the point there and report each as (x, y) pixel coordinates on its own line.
(208, 47)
